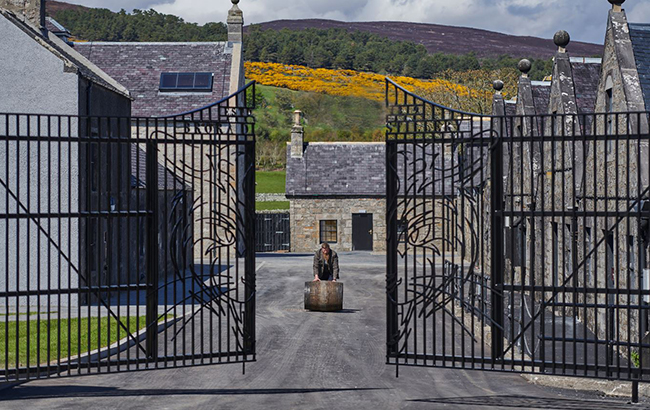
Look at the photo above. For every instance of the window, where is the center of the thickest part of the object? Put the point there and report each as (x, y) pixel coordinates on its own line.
(588, 263)
(186, 81)
(93, 171)
(328, 231)
(555, 257)
(609, 109)
(632, 256)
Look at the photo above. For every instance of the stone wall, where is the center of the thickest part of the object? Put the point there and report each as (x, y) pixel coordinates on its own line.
(24, 9)
(306, 214)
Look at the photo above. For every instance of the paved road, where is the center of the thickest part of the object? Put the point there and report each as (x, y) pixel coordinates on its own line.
(306, 360)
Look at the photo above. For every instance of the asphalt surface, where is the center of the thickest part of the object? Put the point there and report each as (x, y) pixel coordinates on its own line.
(306, 360)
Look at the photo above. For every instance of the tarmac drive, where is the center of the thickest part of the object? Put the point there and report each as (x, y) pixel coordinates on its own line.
(306, 360)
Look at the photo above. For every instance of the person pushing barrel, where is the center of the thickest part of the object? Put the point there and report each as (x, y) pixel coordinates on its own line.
(326, 264)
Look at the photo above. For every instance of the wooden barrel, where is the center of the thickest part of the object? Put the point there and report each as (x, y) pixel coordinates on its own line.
(324, 296)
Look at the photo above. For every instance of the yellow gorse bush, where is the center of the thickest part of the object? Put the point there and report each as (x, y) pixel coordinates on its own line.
(348, 82)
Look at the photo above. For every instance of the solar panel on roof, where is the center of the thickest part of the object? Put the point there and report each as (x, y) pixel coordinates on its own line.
(186, 81)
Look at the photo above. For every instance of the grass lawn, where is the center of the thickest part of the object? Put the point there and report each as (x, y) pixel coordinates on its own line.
(271, 205)
(270, 182)
(87, 331)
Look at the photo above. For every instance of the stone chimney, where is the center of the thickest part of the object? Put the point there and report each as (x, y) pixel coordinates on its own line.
(297, 135)
(617, 5)
(235, 23)
(30, 10)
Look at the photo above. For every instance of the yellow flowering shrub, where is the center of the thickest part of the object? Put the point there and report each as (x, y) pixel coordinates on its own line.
(347, 82)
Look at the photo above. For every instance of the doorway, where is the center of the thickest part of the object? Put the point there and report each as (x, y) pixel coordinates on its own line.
(361, 232)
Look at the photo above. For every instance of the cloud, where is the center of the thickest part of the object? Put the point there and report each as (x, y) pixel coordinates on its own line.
(584, 19)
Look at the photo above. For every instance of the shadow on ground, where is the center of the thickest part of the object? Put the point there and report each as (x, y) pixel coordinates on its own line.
(282, 255)
(528, 402)
(52, 392)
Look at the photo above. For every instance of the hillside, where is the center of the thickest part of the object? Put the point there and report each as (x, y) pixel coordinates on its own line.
(435, 37)
(53, 7)
(446, 39)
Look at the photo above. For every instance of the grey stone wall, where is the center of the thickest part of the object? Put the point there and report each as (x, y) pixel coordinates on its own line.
(306, 214)
(617, 166)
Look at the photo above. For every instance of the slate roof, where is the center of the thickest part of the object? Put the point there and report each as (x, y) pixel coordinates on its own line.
(354, 169)
(585, 81)
(359, 170)
(541, 97)
(511, 108)
(138, 66)
(66, 53)
(640, 36)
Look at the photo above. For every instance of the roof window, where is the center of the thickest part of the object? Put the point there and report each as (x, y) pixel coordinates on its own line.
(186, 82)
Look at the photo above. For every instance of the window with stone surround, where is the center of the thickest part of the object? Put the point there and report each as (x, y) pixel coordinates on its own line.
(328, 231)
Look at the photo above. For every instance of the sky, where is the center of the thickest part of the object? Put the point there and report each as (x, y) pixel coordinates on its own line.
(583, 19)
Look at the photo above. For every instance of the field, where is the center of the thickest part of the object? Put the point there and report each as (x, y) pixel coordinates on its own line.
(270, 182)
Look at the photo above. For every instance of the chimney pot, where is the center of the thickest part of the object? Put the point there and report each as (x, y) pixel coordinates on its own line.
(297, 135)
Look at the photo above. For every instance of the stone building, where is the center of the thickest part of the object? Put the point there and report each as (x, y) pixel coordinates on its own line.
(41, 74)
(171, 78)
(567, 176)
(167, 78)
(618, 250)
(337, 194)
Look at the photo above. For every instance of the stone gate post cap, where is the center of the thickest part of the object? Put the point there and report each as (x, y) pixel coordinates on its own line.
(497, 85)
(235, 2)
(616, 2)
(562, 38)
(524, 66)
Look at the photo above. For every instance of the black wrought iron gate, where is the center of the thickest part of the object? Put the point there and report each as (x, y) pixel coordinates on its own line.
(127, 243)
(517, 243)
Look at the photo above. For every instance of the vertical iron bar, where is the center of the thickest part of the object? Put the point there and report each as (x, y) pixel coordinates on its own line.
(152, 250)
(391, 254)
(249, 241)
(497, 245)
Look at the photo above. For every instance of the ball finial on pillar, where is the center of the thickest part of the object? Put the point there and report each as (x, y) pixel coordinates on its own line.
(235, 2)
(562, 39)
(497, 85)
(524, 66)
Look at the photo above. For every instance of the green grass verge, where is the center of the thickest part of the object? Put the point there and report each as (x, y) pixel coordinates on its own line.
(270, 182)
(91, 333)
(272, 206)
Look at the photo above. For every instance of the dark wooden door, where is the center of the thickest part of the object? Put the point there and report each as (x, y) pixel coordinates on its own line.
(361, 232)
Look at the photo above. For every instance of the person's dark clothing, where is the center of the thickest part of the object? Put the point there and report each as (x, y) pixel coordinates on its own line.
(326, 269)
